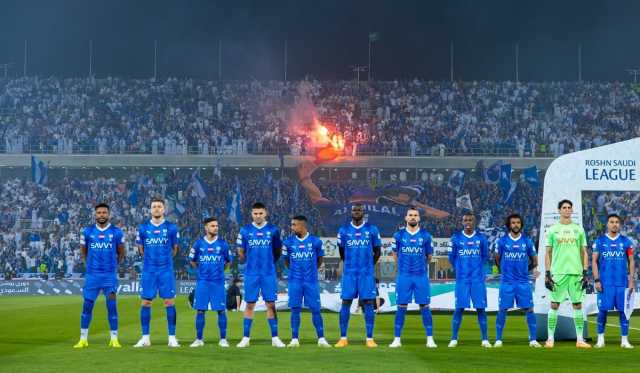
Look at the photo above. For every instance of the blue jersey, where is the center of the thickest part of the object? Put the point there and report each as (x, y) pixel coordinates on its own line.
(211, 258)
(514, 258)
(412, 250)
(101, 244)
(303, 254)
(467, 256)
(158, 242)
(612, 259)
(358, 244)
(258, 245)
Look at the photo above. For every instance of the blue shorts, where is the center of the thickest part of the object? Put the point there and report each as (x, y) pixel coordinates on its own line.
(309, 290)
(475, 292)
(254, 285)
(154, 283)
(95, 283)
(358, 286)
(210, 295)
(611, 297)
(519, 291)
(409, 288)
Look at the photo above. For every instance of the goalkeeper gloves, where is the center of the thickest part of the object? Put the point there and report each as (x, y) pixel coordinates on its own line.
(548, 281)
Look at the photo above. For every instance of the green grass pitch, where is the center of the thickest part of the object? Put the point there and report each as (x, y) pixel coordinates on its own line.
(37, 334)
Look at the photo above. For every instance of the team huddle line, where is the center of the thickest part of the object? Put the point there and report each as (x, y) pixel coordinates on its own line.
(260, 245)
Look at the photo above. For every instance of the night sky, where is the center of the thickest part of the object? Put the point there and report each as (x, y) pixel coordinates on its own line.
(324, 38)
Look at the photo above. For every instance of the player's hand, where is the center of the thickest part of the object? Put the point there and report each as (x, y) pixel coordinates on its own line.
(548, 281)
(632, 286)
(598, 286)
(585, 279)
(536, 273)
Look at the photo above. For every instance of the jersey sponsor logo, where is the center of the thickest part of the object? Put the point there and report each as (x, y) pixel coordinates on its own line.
(566, 240)
(100, 245)
(262, 242)
(156, 241)
(211, 258)
(411, 250)
(469, 252)
(302, 256)
(361, 242)
(613, 254)
(514, 256)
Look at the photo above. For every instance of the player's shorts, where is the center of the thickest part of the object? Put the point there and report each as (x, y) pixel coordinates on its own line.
(612, 297)
(469, 292)
(255, 285)
(567, 286)
(520, 292)
(410, 288)
(358, 286)
(210, 295)
(307, 290)
(158, 283)
(95, 283)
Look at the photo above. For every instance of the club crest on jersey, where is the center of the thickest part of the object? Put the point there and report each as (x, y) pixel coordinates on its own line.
(164, 231)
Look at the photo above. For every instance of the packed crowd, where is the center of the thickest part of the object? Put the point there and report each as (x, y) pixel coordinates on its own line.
(39, 225)
(185, 116)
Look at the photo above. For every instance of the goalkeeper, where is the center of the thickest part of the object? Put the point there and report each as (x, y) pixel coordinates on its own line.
(566, 264)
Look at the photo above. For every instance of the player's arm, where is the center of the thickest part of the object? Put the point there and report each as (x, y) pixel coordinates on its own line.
(176, 241)
(453, 254)
(227, 256)
(377, 245)
(139, 241)
(276, 245)
(83, 246)
(285, 255)
(319, 253)
(428, 252)
(595, 269)
(340, 246)
(240, 243)
(632, 265)
(548, 255)
(498, 254)
(121, 252)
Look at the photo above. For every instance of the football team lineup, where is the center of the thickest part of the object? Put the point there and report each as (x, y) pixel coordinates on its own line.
(259, 245)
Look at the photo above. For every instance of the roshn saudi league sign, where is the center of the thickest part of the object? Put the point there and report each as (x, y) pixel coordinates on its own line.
(597, 174)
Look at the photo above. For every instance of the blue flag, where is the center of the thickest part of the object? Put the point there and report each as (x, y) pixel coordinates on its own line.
(492, 173)
(456, 180)
(199, 186)
(39, 171)
(234, 205)
(133, 196)
(531, 176)
(505, 180)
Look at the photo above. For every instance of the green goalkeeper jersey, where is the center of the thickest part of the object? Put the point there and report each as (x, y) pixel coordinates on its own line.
(566, 241)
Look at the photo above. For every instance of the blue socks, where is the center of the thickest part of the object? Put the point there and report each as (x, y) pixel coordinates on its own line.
(399, 321)
(624, 324)
(344, 319)
(369, 319)
(145, 319)
(222, 324)
(171, 319)
(316, 318)
(531, 324)
(199, 324)
(500, 321)
(87, 313)
(295, 322)
(455, 323)
(273, 325)
(427, 320)
(602, 321)
(247, 327)
(482, 321)
(112, 314)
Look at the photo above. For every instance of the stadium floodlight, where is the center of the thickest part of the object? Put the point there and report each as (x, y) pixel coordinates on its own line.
(357, 69)
(635, 72)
